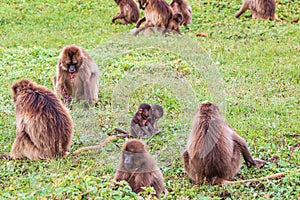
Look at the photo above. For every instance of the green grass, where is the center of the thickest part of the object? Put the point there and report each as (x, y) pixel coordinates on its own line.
(255, 76)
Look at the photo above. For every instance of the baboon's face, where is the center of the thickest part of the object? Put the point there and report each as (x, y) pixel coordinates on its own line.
(71, 61)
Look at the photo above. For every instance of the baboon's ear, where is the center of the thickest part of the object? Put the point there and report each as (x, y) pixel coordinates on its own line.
(177, 17)
(15, 89)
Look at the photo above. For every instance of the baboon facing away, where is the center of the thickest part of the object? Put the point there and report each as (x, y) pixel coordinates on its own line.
(183, 7)
(139, 168)
(129, 12)
(158, 15)
(260, 9)
(44, 126)
(214, 149)
(76, 75)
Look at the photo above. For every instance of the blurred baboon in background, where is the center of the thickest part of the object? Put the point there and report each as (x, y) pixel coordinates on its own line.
(139, 168)
(260, 9)
(44, 126)
(183, 7)
(129, 12)
(158, 15)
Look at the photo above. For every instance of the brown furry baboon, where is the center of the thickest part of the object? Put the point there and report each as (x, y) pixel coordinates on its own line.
(214, 149)
(139, 168)
(44, 126)
(129, 12)
(260, 9)
(183, 7)
(76, 75)
(144, 122)
(158, 15)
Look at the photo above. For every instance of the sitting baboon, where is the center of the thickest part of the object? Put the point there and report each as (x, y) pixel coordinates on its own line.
(183, 7)
(158, 16)
(129, 12)
(144, 122)
(76, 75)
(139, 168)
(44, 126)
(214, 149)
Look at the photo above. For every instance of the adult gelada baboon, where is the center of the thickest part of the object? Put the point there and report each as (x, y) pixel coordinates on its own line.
(76, 75)
(214, 149)
(183, 7)
(158, 15)
(129, 12)
(139, 168)
(44, 126)
(260, 9)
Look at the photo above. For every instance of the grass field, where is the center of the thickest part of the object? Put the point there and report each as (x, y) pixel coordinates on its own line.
(250, 67)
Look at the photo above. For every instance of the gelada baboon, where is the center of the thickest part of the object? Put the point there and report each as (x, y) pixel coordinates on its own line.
(44, 126)
(139, 168)
(260, 9)
(158, 15)
(76, 75)
(214, 149)
(144, 122)
(129, 12)
(183, 7)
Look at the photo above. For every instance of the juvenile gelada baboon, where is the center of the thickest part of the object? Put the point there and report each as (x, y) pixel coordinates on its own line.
(44, 126)
(77, 75)
(183, 7)
(260, 9)
(139, 168)
(144, 121)
(158, 16)
(214, 149)
(129, 12)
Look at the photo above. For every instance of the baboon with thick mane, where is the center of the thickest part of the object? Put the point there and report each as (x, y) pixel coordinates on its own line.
(260, 9)
(77, 75)
(139, 168)
(214, 149)
(44, 126)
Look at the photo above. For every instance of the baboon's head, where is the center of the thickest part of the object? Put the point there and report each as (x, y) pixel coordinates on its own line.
(71, 60)
(174, 24)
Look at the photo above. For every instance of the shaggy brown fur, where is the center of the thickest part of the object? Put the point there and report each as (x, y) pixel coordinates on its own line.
(260, 9)
(76, 75)
(139, 168)
(129, 12)
(214, 149)
(44, 126)
(158, 15)
(183, 7)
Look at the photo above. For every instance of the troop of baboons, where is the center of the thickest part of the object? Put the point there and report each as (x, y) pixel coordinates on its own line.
(44, 127)
(167, 18)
